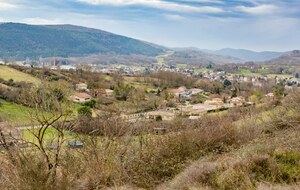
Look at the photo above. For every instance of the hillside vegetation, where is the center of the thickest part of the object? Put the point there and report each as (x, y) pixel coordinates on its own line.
(228, 151)
(193, 57)
(248, 55)
(20, 41)
(289, 58)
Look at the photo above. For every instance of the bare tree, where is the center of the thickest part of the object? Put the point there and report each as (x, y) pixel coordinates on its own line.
(51, 111)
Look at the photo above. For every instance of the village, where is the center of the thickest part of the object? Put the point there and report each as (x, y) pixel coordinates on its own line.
(181, 95)
(221, 73)
(218, 91)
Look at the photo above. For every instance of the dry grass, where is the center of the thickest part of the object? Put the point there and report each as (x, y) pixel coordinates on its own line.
(270, 162)
(8, 73)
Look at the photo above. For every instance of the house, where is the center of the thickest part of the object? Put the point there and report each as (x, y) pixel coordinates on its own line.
(214, 102)
(103, 92)
(195, 91)
(81, 87)
(176, 92)
(109, 92)
(237, 101)
(270, 95)
(67, 67)
(257, 84)
(81, 97)
(183, 88)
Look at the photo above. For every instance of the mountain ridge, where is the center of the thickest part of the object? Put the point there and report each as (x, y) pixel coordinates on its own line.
(197, 57)
(288, 58)
(20, 41)
(244, 55)
(249, 55)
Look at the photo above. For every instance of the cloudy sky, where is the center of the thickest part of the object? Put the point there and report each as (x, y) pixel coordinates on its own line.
(206, 24)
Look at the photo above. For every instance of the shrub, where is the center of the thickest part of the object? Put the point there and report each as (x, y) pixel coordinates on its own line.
(85, 111)
(91, 103)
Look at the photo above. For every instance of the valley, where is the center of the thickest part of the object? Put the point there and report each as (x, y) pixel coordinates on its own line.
(82, 108)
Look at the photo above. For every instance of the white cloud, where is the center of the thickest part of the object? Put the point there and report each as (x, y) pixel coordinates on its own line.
(158, 4)
(173, 17)
(258, 10)
(4, 5)
(42, 21)
(204, 1)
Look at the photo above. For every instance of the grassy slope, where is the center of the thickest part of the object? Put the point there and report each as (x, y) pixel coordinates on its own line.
(50, 135)
(161, 58)
(9, 73)
(277, 149)
(13, 113)
(18, 115)
(228, 170)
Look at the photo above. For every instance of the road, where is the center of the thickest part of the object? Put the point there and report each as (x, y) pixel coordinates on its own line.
(22, 128)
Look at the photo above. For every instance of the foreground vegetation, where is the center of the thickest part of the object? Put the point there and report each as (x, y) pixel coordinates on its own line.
(235, 150)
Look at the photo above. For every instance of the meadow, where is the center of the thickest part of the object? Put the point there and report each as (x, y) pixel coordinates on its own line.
(8, 73)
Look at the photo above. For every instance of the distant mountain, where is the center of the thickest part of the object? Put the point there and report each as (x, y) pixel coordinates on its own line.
(21, 40)
(248, 55)
(195, 57)
(289, 58)
(186, 49)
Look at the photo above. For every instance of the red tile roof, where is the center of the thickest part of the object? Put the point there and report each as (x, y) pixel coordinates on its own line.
(176, 91)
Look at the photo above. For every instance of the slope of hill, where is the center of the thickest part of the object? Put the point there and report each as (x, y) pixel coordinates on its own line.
(108, 59)
(194, 57)
(248, 55)
(20, 41)
(289, 58)
(8, 73)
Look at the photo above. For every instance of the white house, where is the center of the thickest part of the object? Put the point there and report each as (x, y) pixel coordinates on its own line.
(81, 87)
(81, 97)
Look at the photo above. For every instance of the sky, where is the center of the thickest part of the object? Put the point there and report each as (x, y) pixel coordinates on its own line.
(260, 25)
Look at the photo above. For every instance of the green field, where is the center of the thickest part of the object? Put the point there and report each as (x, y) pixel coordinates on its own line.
(14, 114)
(181, 66)
(7, 73)
(280, 75)
(161, 58)
(18, 115)
(203, 70)
(246, 72)
(50, 135)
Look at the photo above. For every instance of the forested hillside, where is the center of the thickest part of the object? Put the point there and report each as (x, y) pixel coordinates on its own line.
(20, 41)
